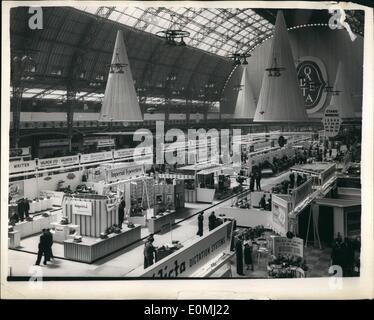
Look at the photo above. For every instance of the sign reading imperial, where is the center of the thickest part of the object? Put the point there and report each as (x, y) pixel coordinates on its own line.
(312, 77)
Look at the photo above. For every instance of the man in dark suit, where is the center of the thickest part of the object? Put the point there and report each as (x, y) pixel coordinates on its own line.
(121, 212)
(21, 209)
(42, 248)
(26, 207)
(49, 244)
(200, 224)
(212, 221)
(149, 253)
(239, 256)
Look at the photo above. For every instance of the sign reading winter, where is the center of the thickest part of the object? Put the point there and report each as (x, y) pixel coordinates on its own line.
(331, 121)
(312, 77)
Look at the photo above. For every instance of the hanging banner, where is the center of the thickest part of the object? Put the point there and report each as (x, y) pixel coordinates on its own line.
(124, 173)
(83, 208)
(57, 162)
(53, 142)
(188, 260)
(19, 152)
(123, 153)
(312, 76)
(331, 121)
(20, 166)
(285, 246)
(98, 156)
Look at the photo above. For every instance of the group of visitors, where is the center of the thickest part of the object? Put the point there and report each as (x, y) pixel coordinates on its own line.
(343, 254)
(255, 177)
(243, 251)
(45, 247)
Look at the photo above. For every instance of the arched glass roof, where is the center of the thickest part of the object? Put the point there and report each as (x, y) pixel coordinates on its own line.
(216, 30)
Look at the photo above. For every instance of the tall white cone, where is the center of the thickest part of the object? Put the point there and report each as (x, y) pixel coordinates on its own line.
(343, 99)
(245, 104)
(280, 97)
(120, 101)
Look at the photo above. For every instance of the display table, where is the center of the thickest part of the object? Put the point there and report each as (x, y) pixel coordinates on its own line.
(205, 195)
(161, 222)
(141, 220)
(28, 228)
(62, 232)
(14, 239)
(91, 249)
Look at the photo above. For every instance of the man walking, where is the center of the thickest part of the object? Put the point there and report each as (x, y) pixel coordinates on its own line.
(49, 244)
(149, 253)
(42, 248)
(258, 180)
(26, 207)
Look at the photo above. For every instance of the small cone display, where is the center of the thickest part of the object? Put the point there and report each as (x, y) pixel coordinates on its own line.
(245, 104)
(342, 99)
(120, 100)
(280, 96)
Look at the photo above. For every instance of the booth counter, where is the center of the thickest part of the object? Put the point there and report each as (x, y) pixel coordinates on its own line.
(161, 222)
(92, 249)
(28, 228)
(205, 195)
(246, 217)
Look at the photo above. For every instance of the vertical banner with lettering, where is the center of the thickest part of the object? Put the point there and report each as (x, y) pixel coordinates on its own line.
(331, 121)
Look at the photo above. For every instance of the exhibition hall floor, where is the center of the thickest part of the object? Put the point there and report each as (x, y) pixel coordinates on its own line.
(120, 263)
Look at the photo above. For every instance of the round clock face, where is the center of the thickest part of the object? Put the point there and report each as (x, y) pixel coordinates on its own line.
(312, 78)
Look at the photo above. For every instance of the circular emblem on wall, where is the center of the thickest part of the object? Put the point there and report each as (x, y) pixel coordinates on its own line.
(312, 77)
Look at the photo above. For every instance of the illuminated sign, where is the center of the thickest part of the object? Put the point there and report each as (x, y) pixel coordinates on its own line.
(312, 76)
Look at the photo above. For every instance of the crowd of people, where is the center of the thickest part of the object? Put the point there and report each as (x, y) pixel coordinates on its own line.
(344, 255)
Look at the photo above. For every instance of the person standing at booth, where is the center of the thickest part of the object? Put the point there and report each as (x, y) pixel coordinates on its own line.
(212, 221)
(26, 207)
(149, 253)
(258, 179)
(21, 209)
(239, 256)
(121, 212)
(248, 255)
(200, 224)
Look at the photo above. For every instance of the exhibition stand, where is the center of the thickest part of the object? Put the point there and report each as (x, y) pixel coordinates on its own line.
(92, 249)
(189, 259)
(162, 221)
(40, 222)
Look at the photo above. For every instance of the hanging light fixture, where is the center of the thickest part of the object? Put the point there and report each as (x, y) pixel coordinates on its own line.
(173, 34)
(275, 70)
(238, 56)
(117, 66)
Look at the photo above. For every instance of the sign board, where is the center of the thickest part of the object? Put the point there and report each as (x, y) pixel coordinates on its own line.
(285, 246)
(102, 143)
(312, 76)
(124, 173)
(331, 121)
(19, 152)
(16, 190)
(53, 142)
(94, 140)
(123, 153)
(83, 208)
(20, 166)
(188, 260)
(56, 196)
(98, 156)
(57, 162)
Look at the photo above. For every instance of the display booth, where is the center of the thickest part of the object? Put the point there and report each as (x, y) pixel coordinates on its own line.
(36, 225)
(320, 172)
(190, 259)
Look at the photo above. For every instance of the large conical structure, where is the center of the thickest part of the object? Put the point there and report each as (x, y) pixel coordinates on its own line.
(120, 100)
(245, 104)
(342, 99)
(280, 96)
